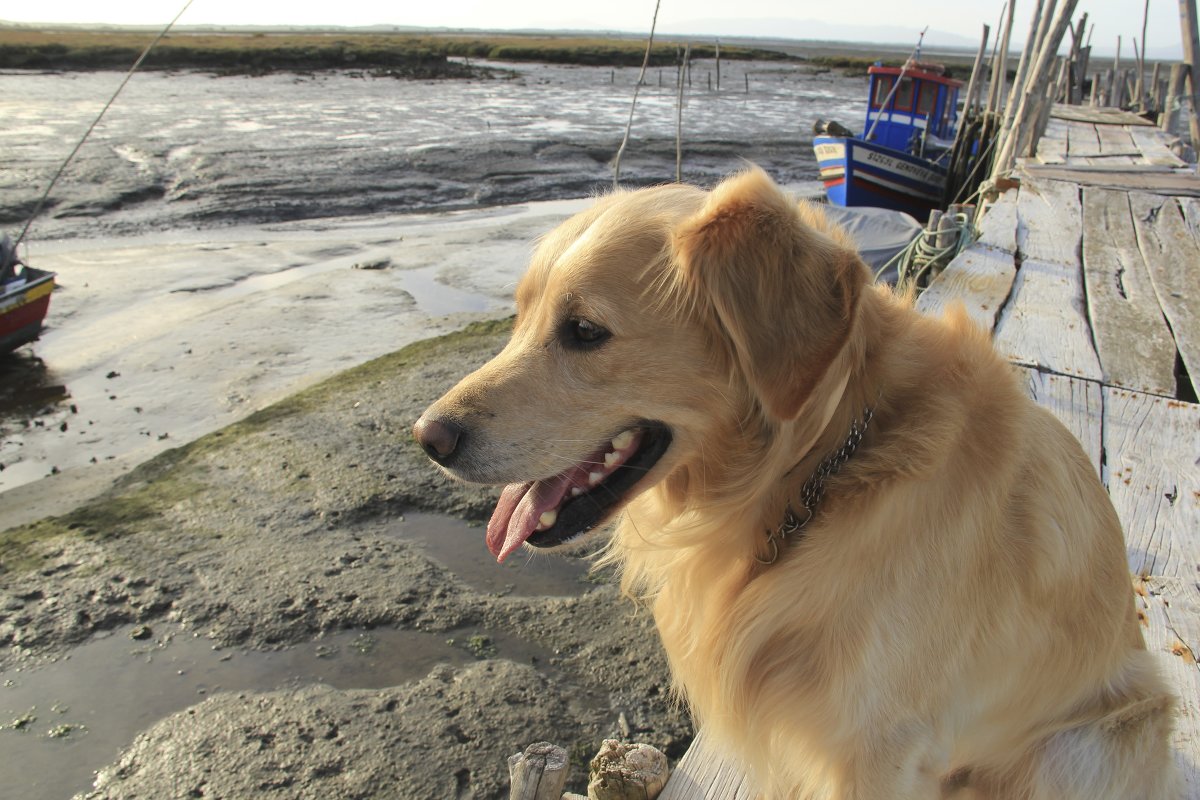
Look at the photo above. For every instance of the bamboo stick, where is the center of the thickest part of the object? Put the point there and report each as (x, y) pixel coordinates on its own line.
(1140, 88)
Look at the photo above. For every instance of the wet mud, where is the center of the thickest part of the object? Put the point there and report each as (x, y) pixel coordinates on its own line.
(271, 600)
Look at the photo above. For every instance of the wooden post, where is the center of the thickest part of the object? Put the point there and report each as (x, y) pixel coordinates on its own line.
(1137, 85)
(633, 105)
(1095, 88)
(1085, 55)
(1141, 68)
(746, 75)
(974, 84)
(1191, 56)
(540, 773)
(1026, 116)
(1155, 89)
(718, 65)
(1000, 65)
(679, 117)
(1036, 25)
(1114, 79)
(627, 772)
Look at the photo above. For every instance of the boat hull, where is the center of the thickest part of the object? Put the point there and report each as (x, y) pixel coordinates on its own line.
(858, 173)
(23, 308)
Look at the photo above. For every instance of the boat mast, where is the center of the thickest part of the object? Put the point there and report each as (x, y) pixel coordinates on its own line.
(46, 194)
(889, 103)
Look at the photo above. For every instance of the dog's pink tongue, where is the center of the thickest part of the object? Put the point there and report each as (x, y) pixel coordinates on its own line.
(518, 510)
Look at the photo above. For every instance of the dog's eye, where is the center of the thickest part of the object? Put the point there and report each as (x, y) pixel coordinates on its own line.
(582, 333)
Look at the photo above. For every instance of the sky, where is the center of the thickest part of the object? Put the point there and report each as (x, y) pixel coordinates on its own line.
(754, 17)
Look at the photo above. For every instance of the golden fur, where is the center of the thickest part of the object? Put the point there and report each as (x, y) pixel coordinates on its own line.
(957, 620)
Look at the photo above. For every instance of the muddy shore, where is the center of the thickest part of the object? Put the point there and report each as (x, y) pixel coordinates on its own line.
(297, 529)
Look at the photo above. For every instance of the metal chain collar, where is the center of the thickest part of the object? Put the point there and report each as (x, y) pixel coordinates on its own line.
(813, 490)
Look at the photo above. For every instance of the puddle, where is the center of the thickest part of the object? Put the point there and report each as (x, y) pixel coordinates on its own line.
(436, 298)
(106, 691)
(460, 547)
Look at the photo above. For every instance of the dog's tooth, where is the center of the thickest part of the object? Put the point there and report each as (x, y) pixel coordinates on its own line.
(623, 440)
(610, 459)
(576, 491)
(595, 477)
(547, 519)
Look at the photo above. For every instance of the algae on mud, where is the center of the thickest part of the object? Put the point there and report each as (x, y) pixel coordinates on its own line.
(289, 527)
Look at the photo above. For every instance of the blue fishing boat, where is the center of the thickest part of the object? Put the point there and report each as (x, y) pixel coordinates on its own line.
(909, 130)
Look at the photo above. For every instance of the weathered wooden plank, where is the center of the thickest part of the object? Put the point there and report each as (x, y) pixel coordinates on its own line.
(1116, 141)
(1191, 213)
(1139, 177)
(1045, 323)
(704, 773)
(1151, 448)
(1052, 147)
(1169, 610)
(1172, 256)
(998, 226)
(1096, 114)
(1082, 140)
(1048, 226)
(1133, 342)
(1077, 403)
(980, 277)
(1153, 145)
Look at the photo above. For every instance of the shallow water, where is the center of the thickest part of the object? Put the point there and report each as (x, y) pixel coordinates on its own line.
(61, 722)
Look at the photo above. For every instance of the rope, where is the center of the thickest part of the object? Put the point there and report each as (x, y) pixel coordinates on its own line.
(62, 168)
(922, 256)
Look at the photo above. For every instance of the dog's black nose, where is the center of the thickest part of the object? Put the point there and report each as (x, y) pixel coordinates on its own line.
(439, 438)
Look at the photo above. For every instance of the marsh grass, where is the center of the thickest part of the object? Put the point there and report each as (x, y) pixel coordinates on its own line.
(415, 55)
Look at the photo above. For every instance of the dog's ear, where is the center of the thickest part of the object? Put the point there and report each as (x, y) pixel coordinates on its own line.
(782, 290)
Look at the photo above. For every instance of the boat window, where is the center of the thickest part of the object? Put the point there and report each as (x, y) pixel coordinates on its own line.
(926, 98)
(904, 95)
(883, 87)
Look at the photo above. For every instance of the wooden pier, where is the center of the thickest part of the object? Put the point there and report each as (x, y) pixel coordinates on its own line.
(1088, 276)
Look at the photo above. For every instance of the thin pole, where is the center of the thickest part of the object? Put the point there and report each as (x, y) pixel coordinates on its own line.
(633, 105)
(904, 71)
(1191, 54)
(45, 195)
(679, 117)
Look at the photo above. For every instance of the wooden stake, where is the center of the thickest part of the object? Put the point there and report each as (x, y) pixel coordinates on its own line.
(1191, 56)
(540, 773)
(1141, 97)
(1019, 140)
(622, 771)
(975, 84)
(633, 105)
(1000, 66)
(1027, 55)
(718, 65)
(687, 53)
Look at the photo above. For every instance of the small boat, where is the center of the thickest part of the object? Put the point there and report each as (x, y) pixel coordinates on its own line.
(909, 129)
(24, 299)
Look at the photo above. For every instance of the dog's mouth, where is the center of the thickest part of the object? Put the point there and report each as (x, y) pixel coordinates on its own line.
(558, 509)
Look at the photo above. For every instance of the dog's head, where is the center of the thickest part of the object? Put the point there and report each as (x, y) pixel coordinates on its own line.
(653, 331)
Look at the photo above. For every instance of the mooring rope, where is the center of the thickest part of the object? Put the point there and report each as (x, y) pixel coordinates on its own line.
(922, 255)
(62, 168)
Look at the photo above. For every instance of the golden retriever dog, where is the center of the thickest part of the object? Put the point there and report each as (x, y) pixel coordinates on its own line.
(878, 569)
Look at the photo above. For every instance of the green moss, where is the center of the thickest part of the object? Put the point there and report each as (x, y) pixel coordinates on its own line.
(176, 475)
